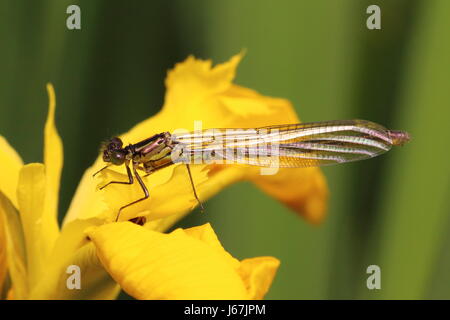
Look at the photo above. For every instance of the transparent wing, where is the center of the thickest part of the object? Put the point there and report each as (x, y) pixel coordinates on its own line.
(294, 145)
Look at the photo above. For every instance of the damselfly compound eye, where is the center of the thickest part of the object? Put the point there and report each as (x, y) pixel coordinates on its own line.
(106, 156)
(117, 157)
(115, 143)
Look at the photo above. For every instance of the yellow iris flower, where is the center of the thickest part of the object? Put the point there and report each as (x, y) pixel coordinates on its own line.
(147, 263)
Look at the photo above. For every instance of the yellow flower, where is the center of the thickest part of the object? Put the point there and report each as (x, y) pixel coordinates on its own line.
(146, 263)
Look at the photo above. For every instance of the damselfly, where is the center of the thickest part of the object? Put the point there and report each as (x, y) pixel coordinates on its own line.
(279, 146)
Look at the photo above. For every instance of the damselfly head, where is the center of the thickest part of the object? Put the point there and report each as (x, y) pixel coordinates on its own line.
(113, 152)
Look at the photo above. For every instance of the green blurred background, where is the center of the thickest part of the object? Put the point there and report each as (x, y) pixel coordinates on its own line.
(392, 211)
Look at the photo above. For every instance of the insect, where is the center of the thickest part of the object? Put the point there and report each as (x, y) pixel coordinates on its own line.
(279, 146)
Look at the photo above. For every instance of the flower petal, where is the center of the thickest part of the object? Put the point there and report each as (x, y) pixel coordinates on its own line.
(31, 196)
(3, 253)
(15, 248)
(153, 265)
(73, 249)
(206, 234)
(11, 164)
(87, 201)
(258, 274)
(53, 160)
(193, 81)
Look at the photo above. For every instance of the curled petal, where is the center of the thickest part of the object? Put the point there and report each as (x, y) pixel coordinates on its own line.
(258, 274)
(181, 265)
(53, 161)
(194, 81)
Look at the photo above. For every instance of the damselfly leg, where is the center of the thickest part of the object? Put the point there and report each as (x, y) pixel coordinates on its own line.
(193, 188)
(130, 179)
(144, 188)
(202, 209)
(141, 183)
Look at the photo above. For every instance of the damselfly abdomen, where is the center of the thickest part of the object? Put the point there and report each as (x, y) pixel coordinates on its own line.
(280, 146)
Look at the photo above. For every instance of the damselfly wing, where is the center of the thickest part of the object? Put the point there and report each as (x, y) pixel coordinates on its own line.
(291, 146)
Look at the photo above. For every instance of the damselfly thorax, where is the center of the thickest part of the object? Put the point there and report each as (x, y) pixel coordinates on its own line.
(280, 146)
